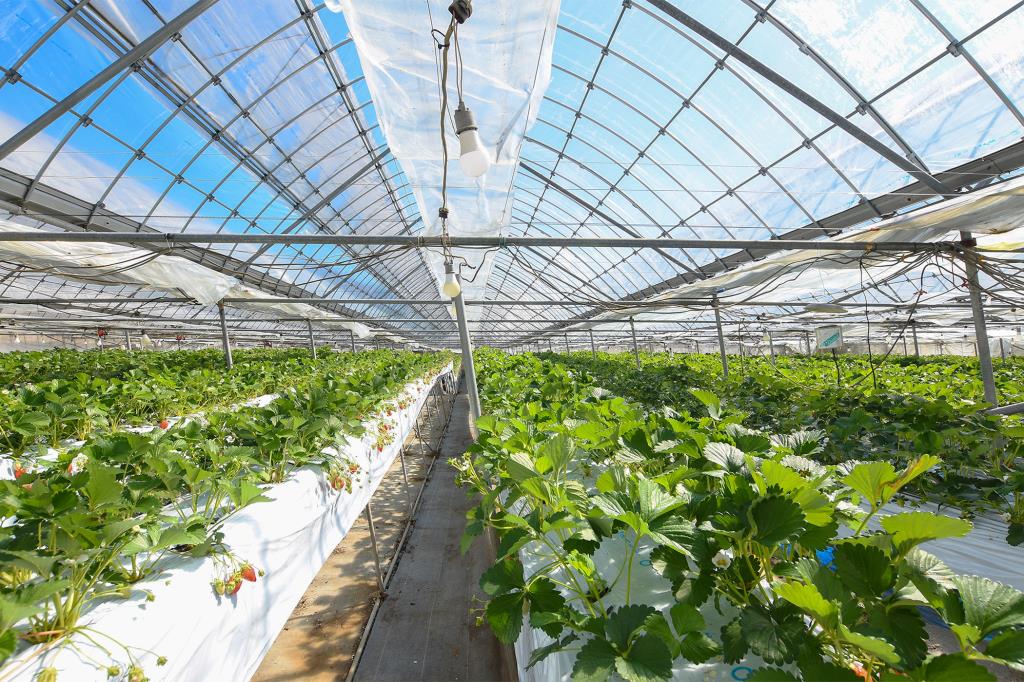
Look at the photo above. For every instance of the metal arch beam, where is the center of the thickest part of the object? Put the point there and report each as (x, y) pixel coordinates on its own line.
(546, 218)
(612, 187)
(586, 96)
(689, 103)
(12, 71)
(954, 45)
(607, 262)
(598, 264)
(599, 213)
(801, 95)
(342, 186)
(67, 212)
(185, 103)
(755, 90)
(834, 74)
(682, 146)
(243, 154)
(139, 52)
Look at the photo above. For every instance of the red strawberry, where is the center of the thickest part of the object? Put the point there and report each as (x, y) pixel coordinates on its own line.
(234, 586)
(70, 469)
(19, 471)
(249, 573)
(164, 424)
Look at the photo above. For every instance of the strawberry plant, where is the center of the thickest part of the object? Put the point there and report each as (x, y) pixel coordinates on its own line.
(586, 491)
(90, 520)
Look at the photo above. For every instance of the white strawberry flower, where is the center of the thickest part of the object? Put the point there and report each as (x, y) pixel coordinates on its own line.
(78, 463)
(723, 558)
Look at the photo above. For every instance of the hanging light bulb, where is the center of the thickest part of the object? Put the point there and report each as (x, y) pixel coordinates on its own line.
(145, 339)
(451, 287)
(474, 157)
(17, 338)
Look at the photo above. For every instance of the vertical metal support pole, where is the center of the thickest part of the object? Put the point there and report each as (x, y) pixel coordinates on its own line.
(352, 339)
(224, 336)
(636, 349)
(980, 329)
(913, 330)
(906, 351)
(551, 347)
(593, 348)
(1002, 349)
(807, 341)
(467, 352)
(312, 343)
(373, 542)
(771, 345)
(721, 338)
(565, 337)
(128, 339)
(405, 475)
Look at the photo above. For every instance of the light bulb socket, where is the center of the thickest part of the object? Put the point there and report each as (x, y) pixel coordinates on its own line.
(464, 120)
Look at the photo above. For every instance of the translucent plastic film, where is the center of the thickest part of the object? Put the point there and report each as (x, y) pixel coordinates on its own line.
(113, 264)
(506, 50)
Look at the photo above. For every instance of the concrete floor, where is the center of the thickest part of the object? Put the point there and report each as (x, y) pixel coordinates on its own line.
(425, 629)
(321, 636)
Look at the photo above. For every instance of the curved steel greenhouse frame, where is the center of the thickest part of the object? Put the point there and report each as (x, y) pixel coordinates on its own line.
(728, 174)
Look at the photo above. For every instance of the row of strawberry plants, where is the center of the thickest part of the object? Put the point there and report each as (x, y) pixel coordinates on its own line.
(981, 467)
(21, 367)
(738, 524)
(148, 387)
(104, 515)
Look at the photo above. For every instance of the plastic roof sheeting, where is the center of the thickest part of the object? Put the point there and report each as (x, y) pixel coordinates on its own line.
(506, 51)
(283, 120)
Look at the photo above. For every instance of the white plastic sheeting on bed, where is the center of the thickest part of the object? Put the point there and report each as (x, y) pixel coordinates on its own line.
(206, 637)
(647, 587)
(506, 47)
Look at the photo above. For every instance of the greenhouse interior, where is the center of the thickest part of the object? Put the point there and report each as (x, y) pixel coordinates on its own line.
(540, 340)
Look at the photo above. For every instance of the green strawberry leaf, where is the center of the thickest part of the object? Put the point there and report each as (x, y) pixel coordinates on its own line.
(595, 662)
(952, 668)
(870, 479)
(775, 636)
(648, 660)
(875, 646)
(697, 647)
(505, 616)
(624, 622)
(502, 577)
(734, 646)
(808, 598)
(686, 618)
(913, 528)
(774, 519)
(863, 568)
(1007, 646)
(989, 605)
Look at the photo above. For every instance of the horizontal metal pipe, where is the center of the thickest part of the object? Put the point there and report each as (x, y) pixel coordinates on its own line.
(481, 242)
(506, 302)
